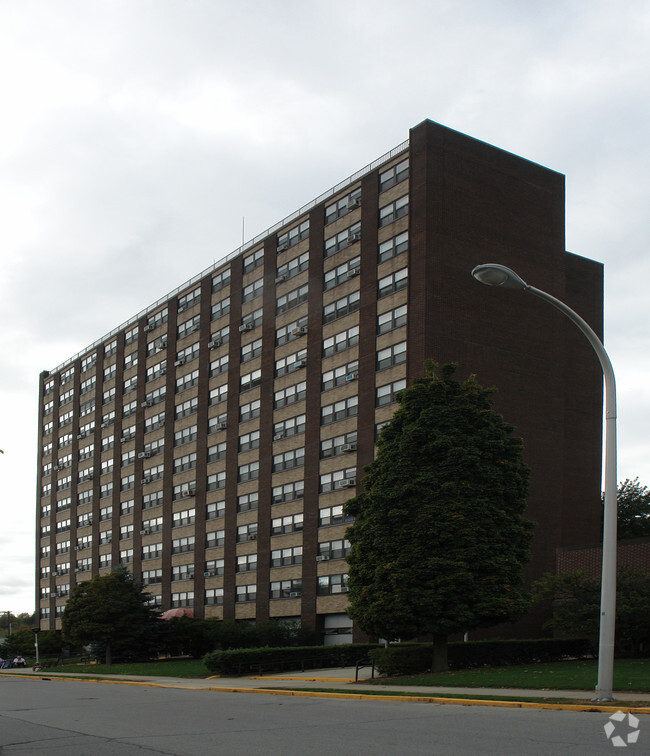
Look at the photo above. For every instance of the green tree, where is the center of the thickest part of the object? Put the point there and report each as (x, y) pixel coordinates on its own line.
(633, 501)
(110, 610)
(439, 539)
(22, 642)
(575, 600)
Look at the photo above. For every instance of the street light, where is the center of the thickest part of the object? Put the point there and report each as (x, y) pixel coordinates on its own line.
(498, 275)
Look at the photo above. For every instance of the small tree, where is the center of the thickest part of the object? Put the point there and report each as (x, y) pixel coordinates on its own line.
(633, 502)
(439, 540)
(110, 610)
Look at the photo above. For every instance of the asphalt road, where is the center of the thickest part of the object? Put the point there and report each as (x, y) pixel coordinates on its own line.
(57, 718)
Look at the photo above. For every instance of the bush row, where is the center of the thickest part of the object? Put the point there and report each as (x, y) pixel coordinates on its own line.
(407, 658)
(246, 660)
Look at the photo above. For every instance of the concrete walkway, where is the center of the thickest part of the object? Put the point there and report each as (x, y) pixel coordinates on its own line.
(335, 679)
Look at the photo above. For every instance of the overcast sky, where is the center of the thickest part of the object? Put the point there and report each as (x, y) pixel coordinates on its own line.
(136, 134)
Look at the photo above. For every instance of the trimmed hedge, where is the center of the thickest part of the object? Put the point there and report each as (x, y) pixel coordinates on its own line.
(245, 660)
(407, 658)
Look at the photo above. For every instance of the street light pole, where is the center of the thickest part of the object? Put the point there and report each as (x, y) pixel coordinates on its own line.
(498, 275)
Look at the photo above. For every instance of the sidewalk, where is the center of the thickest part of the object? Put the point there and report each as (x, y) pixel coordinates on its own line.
(323, 679)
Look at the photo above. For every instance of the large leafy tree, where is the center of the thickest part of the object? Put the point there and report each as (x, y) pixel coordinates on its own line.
(110, 610)
(633, 501)
(439, 539)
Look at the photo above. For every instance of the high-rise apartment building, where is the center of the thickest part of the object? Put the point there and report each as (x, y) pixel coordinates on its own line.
(209, 443)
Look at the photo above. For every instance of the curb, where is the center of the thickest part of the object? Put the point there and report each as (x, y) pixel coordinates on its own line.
(353, 696)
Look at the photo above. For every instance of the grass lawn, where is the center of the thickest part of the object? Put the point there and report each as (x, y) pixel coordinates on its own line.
(629, 674)
(175, 668)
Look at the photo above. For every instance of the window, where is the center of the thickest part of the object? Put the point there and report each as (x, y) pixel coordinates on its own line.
(184, 490)
(220, 337)
(127, 482)
(185, 598)
(221, 280)
(185, 435)
(292, 426)
(187, 354)
(105, 536)
(63, 568)
(341, 307)
(126, 507)
(189, 326)
(86, 564)
(67, 376)
(63, 504)
(217, 452)
(126, 531)
(186, 462)
(331, 584)
(343, 206)
(108, 442)
(249, 411)
(331, 447)
(341, 273)
(219, 366)
(393, 355)
(153, 473)
(157, 319)
(249, 471)
(250, 351)
(253, 290)
(254, 260)
(155, 371)
(131, 336)
(215, 538)
(85, 520)
(215, 509)
(288, 492)
(109, 372)
(130, 360)
(218, 394)
(153, 525)
(186, 517)
(48, 407)
(293, 268)
(342, 240)
(392, 319)
(105, 560)
(286, 589)
(152, 499)
(88, 362)
(386, 394)
(108, 419)
(249, 441)
(246, 593)
(293, 236)
(65, 440)
(157, 345)
(47, 428)
(293, 330)
(214, 567)
(110, 348)
(252, 320)
(86, 408)
(85, 497)
(153, 448)
(289, 459)
(330, 413)
(189, 300)
(335, 481)
(250, 380)
(247, 563)
(62, 547)
(213, 596)
(217, 481)
(154, 422)
(186, 408)
(292, 299)
(341, 341)
(247, 502)
(106, 490)
(286, 557)
(152, 550)
(130, 409)
(290, 363)
(220, 308)
(88, 385)
(289, 524)
(149, 577)
(394, 246)
(290, 395)
(85, 542)
(392, 283)
(106, 513)
(183, 572)
(187, 381)
(340, 376)
(394, 175)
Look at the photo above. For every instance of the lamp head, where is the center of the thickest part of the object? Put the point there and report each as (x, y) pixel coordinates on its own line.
(492, 274)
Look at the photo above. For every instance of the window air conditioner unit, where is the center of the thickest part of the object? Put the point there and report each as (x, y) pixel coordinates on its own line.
(283, 247)
(124, 439)
(352, 376)
(179, 362)
(278, 436)
(354, 202)
(222, 425)
(281, 278)
(252, 537)
(106, 423)
(209, 573)
(146, 404)
(352, 272)
(145, 531)
(346, 448)
(322, 558)
(295, 594)
(144, 455)
(301, 331)
(215, 343)
(299, 363)
(81, 435)
(191, 492)
(246, 327)
(78, 548)
(355, 237)
(347, 483)
(149, 328)
(162, 371)
(344, 589)
(146, 479)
